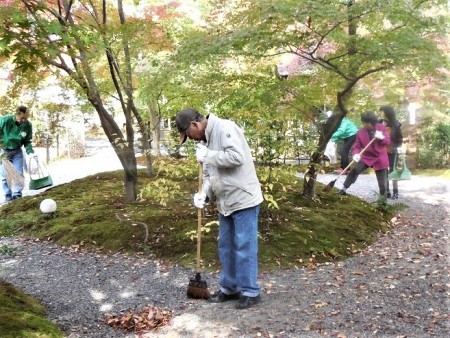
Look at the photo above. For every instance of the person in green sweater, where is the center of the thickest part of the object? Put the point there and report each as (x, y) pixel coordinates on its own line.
(15, 131)
(346, 133)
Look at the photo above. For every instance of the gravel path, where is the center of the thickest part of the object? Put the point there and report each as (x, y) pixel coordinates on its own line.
(397, 287)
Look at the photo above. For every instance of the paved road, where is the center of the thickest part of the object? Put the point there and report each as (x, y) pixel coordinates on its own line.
(430, 190)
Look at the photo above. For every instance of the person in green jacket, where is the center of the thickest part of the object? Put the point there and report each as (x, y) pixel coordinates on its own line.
(346, 133)
(15, 131)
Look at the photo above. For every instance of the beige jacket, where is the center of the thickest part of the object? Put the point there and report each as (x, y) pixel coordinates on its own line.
(229, 173)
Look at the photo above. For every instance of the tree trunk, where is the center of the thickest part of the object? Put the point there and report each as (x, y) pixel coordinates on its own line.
(123, 149)
(335, 119)
(326, 131)
(146, 141)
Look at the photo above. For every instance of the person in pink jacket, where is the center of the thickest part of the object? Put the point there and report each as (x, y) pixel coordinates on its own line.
(375, 156)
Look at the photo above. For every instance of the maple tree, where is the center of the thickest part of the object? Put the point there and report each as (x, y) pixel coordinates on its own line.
(338, 46)
(93, 43)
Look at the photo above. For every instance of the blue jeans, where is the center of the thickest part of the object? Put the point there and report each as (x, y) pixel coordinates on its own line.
(238, 252)
(16, 158)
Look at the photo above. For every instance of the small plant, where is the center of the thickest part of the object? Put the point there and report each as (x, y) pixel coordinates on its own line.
(274, 182)
(161, 191)
(164, 188)
(389, 209)
(205, 229)
(7, 250)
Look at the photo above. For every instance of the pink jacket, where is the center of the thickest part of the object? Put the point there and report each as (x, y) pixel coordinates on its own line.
(376, 155)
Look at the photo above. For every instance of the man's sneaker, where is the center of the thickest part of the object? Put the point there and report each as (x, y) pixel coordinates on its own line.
(395, 196)
(245, 302)
(342, 192)
(8, 198)
(220, 297)
(388, 194)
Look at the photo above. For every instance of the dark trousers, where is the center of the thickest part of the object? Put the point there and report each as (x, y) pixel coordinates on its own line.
(344, 152)
(391, 168)
(359, 168)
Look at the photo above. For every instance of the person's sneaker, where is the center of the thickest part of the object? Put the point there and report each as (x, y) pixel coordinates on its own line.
(245, 302)
(220, 297)
(15, 197)
(395, 196)
(388, 194)
(8, 198)
(342, 192)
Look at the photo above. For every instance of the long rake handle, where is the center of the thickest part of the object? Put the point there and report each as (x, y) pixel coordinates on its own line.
(199, 216)
(353, 161)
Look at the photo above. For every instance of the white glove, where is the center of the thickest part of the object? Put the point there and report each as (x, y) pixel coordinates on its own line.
(379, 135)
(356, 157)
(201, 152)
(199, 200)
(400, 150)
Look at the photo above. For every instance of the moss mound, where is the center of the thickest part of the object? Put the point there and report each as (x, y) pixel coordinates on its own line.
(22, 316)
(162, 223)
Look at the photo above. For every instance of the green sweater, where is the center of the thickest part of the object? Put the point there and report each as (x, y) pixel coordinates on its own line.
(346, 129)
(15, 136)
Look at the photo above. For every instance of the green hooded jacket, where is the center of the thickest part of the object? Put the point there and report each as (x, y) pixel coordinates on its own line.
(346, 129)
(15, 136)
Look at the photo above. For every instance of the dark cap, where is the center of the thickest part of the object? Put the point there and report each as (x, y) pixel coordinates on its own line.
(369, 117)
(183, 121)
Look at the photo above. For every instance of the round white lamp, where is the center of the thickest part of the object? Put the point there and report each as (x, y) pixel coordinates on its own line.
(48, 206)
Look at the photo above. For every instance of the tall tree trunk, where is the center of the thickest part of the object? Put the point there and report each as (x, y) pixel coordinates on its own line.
(123, 149)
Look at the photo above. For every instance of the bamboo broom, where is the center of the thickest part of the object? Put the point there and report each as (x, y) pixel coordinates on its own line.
(13, 177)
(197, 287)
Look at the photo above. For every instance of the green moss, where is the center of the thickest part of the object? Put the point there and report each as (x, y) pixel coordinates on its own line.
(91, 213)
(23, 316)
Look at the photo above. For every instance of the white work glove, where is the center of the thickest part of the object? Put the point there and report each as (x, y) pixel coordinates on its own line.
(379, 135)
(201, 152)
(199, 200)
(356, 157)
(400, 150)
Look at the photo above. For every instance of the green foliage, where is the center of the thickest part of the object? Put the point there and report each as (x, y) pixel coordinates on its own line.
(7, 250)
(165, 187)
(389, 208)
(434, 146)
(205, 229)
(275, 181)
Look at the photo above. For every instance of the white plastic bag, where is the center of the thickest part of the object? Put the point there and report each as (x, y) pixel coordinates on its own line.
(330, 152)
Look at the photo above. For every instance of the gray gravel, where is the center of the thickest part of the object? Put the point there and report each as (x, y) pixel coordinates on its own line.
(397, 287)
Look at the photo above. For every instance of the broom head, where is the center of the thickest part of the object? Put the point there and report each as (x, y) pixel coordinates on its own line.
(329, 186)
(13, 177)
(198, 288)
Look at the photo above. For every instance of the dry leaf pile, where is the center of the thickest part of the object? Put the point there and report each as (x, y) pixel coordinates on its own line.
(147, 319)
